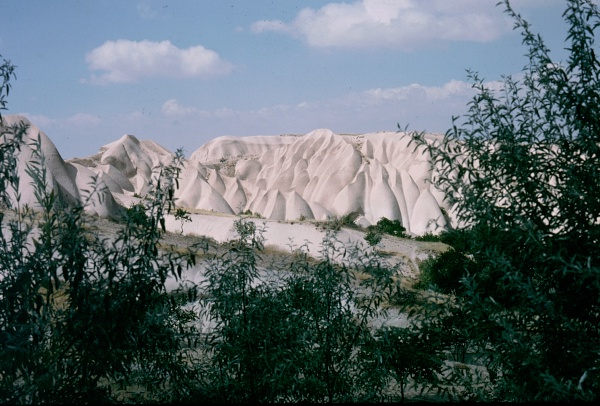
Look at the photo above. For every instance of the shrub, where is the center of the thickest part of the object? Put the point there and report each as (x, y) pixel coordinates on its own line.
(249, 213)
(391, 227)
(444, 272)
(428, 237)
(373, 237)
(374, 233)
(301, 338)
(183, 216)
(84, 317)
(136, 215)
(521, 173)
(348, 220)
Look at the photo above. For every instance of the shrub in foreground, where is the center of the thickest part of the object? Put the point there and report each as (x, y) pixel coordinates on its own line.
(83, 317)
(521, 172)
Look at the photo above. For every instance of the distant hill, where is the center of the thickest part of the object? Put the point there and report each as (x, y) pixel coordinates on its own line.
(285, 177)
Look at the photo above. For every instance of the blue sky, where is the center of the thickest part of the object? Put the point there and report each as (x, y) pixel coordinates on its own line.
(184, 72)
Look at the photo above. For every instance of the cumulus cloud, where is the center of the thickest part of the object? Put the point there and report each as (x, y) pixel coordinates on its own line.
(127, 61)
(453, 88)
(399, 24)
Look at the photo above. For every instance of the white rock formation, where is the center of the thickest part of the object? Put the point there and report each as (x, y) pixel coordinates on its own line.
(310, 176)
(73, 182)
(318, 175)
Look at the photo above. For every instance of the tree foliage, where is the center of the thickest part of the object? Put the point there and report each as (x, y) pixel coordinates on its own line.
(521, 173)
(300, 336)
(84, 316)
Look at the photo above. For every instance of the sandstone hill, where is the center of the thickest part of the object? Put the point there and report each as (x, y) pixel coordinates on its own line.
(289, 177)
(72, 180)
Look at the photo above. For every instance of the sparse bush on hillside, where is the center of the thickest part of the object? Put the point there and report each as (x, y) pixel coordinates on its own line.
(373, 237)
(348, 220)
(391, 227)
(136, 215)
(428, 237)
(334, 223)
(249, 213)
(375, 232)
(183, 216)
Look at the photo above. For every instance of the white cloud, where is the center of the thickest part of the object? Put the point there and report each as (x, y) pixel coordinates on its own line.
(454, 88)
(173, 108)
(80, 120)
(146, 11)
(423, 107)
(128, 61)
(268, 25)
(83, 119)
(399, 24)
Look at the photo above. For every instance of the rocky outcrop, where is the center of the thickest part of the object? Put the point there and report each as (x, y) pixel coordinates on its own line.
(323, 174)
(72, 181)
(310, 176)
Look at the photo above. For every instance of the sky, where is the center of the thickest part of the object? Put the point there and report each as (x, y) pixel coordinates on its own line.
(182, 72)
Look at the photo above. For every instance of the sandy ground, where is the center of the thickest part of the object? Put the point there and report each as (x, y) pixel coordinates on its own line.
(286, 236)
(282, 237)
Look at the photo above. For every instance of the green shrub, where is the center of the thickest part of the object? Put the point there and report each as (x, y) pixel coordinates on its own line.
(375, 232)
(85, 318)
(521, 173)
(249, 213)
(373, 237)
(300, 339)
(391, 227)
(348, 220)
(183, 216)
(136, 215)
(428, 237)
(444, 272)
